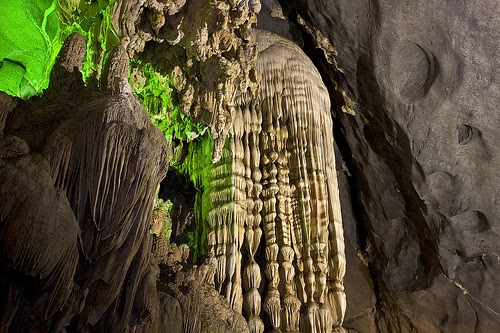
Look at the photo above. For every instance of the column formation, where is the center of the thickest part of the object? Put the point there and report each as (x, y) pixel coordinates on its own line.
(251, 274)
(270, 188)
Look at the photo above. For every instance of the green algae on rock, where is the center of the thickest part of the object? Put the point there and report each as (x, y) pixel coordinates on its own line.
(28, 45)
(33, 31)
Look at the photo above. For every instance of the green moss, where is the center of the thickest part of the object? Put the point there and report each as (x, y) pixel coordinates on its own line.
(28, 44)
(33, 31)
(156, 92)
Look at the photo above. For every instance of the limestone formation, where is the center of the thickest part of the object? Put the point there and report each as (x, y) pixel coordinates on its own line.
(271, 192)
(79, 167)
(206, 43)
(412, 69)
(304, 195)
(420, 147)
(275, 179)
(76, 206)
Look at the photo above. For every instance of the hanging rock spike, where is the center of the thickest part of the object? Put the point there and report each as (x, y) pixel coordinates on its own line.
(278, 167)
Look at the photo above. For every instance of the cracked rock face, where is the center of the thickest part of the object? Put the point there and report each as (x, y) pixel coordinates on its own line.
(420, 143)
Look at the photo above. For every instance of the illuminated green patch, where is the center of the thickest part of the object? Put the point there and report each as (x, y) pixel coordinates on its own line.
(155, 91)
(28, 45)
(93, 20)
(33, 31)
(197, 166)
(200, 169)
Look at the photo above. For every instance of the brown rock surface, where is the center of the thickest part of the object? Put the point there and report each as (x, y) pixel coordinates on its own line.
(79, 170)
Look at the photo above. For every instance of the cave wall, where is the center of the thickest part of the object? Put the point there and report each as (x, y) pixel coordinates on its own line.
(79, 172)
(416, 90)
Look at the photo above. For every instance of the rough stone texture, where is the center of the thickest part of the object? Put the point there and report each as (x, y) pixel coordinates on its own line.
(180, 192)
(271, 18)
(420, 82)
(74, 238)
(171, 313)
(361, 301)
(189, 291)
(275, 189)
(206, 45)
(79, 169)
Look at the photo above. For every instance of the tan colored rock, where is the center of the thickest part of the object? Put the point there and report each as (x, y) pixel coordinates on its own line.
(278, 168)
(117, 65)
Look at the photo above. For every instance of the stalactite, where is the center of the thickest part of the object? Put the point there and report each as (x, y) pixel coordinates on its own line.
(291, 304)
(270, 189)
(292, 91)
(233, 288)
(219, 217)
(252, 121)
(277, 175)
(301, 211)
(274, 175)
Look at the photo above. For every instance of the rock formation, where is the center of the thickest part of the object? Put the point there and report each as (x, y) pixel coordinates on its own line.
(72, 220)
(301, 209)
(76, 197)
(275, 192)
(275, 180)
(205, 45)
(418, 84)
(97, 161)
(386, 108)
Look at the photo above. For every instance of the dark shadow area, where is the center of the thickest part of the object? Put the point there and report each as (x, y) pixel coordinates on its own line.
(180, 191)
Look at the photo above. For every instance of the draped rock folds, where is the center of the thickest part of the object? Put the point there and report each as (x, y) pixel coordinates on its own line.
(299, 180)
(79, 170)
(76, 207)
(277, 178)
